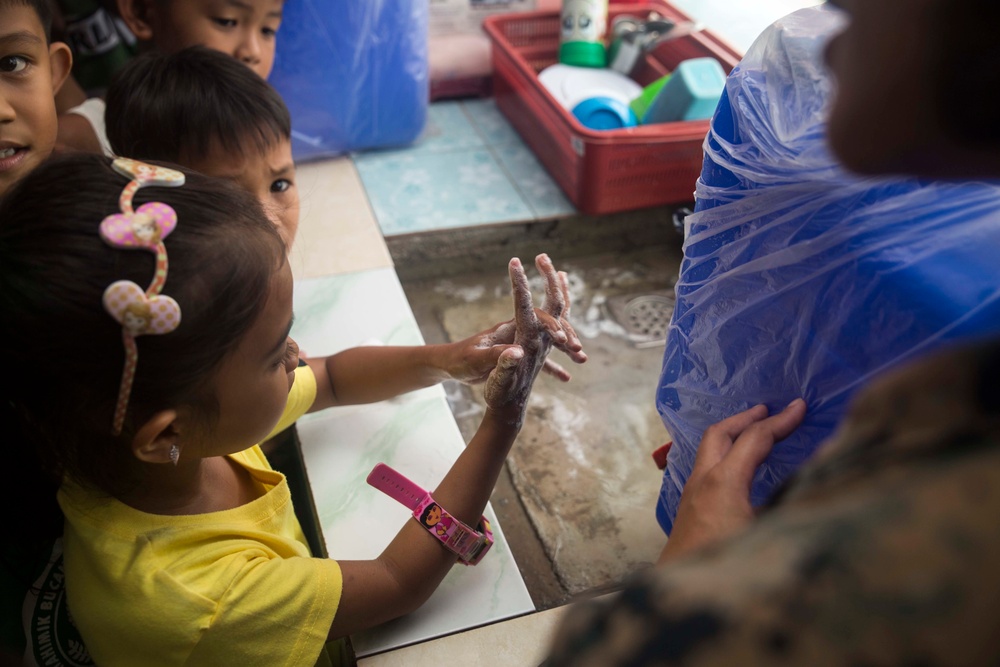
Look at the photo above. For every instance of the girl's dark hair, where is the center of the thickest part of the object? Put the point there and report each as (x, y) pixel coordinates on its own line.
(171, 106)
(426, 514)
(64, 352)
(42, 8)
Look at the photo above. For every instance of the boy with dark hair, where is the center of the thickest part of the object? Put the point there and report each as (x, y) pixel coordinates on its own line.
(32, 69)
(207, 111)
(243, 29)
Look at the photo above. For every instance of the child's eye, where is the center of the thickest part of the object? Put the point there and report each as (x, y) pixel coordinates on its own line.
(269, 32)
(224, 22)
(13, 64)
(281, 185)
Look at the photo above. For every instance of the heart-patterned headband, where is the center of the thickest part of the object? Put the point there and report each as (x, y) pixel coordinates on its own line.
(140, 312)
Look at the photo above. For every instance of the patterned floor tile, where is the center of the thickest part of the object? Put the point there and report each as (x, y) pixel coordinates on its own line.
(490, 122)
(542, 194)
(415, 191)
(448, 129)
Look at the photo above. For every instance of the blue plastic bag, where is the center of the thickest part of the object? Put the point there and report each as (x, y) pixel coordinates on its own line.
(800, 279)
(354, 74)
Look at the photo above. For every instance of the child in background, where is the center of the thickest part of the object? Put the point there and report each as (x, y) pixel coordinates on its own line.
(32, 69)
(203, 110)
(180, 545)
(245, 30)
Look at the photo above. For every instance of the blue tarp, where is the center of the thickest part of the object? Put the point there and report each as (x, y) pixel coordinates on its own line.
(801, 279)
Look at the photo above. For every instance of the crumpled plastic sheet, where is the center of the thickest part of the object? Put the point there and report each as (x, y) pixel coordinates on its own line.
(800, 279)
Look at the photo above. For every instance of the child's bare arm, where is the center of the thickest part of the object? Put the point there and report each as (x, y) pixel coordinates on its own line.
(369, 374)
(414, 563)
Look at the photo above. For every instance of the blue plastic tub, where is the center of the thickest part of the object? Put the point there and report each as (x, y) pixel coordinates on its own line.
(353, 73)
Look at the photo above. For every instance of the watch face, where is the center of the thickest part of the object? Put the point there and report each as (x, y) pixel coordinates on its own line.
(431, 515)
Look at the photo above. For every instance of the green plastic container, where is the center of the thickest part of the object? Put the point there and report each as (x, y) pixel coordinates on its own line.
(641, 104)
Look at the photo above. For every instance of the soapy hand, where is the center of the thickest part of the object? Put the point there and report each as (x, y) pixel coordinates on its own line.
(510, 382)
(477, 356)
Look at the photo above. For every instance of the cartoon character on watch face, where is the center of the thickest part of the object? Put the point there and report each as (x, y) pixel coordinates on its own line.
(431, 518)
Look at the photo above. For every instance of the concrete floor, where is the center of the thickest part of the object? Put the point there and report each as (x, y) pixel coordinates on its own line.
(577, 500)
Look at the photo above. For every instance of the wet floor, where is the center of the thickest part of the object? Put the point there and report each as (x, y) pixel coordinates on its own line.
(578, 497)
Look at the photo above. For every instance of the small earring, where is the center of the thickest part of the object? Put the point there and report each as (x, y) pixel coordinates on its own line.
(175, 454)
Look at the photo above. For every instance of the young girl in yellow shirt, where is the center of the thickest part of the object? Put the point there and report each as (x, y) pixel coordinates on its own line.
(181, 546)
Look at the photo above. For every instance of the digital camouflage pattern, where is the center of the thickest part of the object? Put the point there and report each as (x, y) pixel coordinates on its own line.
(883, 550)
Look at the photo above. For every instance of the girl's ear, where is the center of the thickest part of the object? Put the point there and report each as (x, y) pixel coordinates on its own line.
(60, 62)
(137, 15)
(155, 438)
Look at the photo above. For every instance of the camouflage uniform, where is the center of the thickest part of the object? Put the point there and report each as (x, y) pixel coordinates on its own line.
(883, 550)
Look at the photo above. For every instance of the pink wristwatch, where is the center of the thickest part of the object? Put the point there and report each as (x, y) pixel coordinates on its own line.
(470, 545)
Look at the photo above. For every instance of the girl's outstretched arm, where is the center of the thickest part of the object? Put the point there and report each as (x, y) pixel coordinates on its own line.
(414, 563)
(376, 373)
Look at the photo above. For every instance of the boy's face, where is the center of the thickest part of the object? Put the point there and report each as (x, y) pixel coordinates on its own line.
(270, 177)
(245, 29)
(31, 72)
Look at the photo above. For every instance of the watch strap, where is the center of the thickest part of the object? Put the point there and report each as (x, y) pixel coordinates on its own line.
(396, 486)
(470, 545)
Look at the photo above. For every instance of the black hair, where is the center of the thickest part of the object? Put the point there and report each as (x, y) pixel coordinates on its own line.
(173, 106)
(64, 352)
(968, 73)
(426, 515)
(42, 8)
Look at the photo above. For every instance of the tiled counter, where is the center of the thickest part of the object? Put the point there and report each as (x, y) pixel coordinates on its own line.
(415, 434)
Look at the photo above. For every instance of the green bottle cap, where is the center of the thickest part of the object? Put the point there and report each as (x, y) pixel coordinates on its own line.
(583, 54)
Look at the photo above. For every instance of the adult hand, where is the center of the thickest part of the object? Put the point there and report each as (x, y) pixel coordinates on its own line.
(477, 356)
(510, 382)
(716, 499)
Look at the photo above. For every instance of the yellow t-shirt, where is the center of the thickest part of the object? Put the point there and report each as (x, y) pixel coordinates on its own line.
(236, 587)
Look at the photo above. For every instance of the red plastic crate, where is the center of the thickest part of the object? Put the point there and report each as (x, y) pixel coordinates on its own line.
(611, 170)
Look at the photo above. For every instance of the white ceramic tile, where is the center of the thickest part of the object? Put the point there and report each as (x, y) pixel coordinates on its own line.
(414, 433)
(518, 642)
(338, 232)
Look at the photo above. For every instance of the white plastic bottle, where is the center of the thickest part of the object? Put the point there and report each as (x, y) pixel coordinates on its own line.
(583, 26)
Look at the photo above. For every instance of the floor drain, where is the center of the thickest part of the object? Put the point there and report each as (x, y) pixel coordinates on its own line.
(645, 318)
